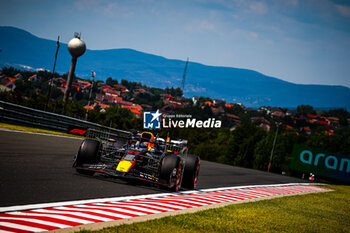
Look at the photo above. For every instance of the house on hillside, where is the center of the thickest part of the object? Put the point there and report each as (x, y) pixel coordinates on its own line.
(124, 103)
(195, 100)
(33, 78)
(333, 121)
(121, 88)
(84, 85)
(306, 130)
(233, 118)
(136, 109)
(105, 88)
(167, 98)
(171, 107)
(112, 99)
(18, 76)
(109, 97)
(8, 84)
(291, 112)
(270, 110)
(140, 91)
(208, 103)
(99, 98)
(278, 114)
(76, 85)
(112, 92)
(101, 106)
(218, 110)
(136, 113)
(314, 119)
(218, 102)
(58, 81)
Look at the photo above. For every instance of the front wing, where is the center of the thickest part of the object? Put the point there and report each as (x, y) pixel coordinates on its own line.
(111, 170)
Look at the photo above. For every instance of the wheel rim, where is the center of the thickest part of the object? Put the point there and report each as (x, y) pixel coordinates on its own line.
(195, 178)
(176, 178)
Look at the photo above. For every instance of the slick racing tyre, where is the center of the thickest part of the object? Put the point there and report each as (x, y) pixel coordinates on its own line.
(191, 171)
(88, 154)
(171, 172)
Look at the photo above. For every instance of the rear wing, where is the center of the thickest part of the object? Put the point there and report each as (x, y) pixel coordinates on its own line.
(106, 136)
(171, 145)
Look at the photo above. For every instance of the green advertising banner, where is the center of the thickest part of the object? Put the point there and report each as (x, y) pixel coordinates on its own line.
(320, 162)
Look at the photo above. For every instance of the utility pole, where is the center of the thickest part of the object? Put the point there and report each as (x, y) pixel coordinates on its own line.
(184, 77)
(76, 48)
(53, 72)
(92, 85)
(273, 147)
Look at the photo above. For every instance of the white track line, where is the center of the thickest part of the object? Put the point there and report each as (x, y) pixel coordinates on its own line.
(21, 227)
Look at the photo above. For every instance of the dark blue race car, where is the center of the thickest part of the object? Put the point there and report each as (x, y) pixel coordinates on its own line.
(141, 156)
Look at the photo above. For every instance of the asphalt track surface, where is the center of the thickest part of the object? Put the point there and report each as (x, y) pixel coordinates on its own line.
(37, 168)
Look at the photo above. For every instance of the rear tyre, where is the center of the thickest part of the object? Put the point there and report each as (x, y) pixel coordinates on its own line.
(191, 171)
(88, 154)
(171, 172)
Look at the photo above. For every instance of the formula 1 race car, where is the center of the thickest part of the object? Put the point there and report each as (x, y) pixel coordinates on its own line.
(142, 156)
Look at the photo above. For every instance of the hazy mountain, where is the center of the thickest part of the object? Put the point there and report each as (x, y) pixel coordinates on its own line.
(22, 49)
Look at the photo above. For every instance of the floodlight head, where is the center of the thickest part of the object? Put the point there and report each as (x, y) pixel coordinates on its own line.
(77, 35)
(76, 47)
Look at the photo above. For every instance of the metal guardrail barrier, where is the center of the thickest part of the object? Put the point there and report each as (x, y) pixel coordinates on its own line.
(25, 116)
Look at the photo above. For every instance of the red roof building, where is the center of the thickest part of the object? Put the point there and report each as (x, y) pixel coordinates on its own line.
(140, 90)
(278, 114)
(209, 103)
(125, 103)
(167, 96)
(112, 92)
(112, 99)
(33, 78)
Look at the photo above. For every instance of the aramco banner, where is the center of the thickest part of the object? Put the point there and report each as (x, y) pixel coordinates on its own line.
(320, 162)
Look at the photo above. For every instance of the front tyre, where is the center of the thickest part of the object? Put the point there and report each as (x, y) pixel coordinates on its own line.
(88, 154)
(191, 171)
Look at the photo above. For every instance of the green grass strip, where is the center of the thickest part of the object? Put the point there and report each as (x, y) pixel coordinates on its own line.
(318, 212)
(34, 130)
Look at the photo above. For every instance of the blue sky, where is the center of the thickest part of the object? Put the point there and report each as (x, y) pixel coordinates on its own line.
(301, 41)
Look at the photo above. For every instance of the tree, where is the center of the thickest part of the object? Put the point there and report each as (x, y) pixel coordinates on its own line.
(241, 144)
(305, 109)
(208, 151)
(111, 82)
(262, 152)
(342, 114)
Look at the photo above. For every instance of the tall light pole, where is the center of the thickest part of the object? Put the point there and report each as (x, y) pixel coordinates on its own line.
(53, 72)
(76, 48)
(273, 147)
(92, 85)
(183, 78)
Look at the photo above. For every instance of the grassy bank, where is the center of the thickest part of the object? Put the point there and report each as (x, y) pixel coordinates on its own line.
(320, 212)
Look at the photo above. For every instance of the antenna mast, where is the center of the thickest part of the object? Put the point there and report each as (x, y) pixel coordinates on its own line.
(184, 77)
